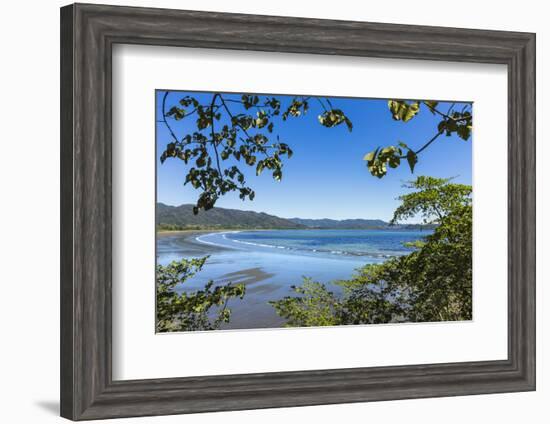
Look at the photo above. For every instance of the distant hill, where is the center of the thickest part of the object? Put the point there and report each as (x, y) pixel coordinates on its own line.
(181, 217)
(344, 224)
(358, 224)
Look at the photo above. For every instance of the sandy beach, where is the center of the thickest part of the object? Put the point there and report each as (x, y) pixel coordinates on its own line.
(187, 238)
(191, 247)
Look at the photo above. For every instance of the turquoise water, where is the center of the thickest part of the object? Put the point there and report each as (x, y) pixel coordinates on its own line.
(368, 243)
(269, 262)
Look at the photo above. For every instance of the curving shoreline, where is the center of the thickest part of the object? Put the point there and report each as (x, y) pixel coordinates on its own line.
(188, 240)
(374, 244)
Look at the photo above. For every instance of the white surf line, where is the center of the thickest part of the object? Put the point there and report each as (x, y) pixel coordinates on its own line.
(223, 234)
(199, 238)
(255, 244)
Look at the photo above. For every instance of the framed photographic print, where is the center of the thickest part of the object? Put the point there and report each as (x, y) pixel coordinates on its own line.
(264, 212)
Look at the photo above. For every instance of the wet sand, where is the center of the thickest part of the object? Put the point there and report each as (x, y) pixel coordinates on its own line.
(248, 277)
(189, 244)
(268, 275)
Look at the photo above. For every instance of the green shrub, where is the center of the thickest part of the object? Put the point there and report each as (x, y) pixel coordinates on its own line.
(200, 310)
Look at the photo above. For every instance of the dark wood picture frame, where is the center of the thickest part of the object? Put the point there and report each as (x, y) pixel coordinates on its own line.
(88, 33)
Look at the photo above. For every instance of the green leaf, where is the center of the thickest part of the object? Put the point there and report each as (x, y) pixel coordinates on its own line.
(369, 157)
(201, 161)
(176, 112)
(432, 104)
(412, 159)
(334, 117)
(451, 127)
(203, 122)
(403, 111)
(387, 150)
(394, 161)
(463, 132)
(348, 124)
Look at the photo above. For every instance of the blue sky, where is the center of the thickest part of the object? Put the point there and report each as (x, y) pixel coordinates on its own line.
(327, 176)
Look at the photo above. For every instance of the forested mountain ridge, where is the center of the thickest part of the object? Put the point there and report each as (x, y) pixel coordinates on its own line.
(344, 224)
(181, 217)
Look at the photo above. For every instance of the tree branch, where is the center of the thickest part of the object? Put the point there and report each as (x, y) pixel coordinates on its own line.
(164, 116)
(429, 142)
(214, 133)
(241, 103)
(321, 103)
(446, 115)
(231, 115)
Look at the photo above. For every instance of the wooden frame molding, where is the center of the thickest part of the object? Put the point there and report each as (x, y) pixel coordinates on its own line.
(88, 33)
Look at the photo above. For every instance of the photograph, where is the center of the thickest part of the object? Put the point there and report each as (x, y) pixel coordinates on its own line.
(275, 212)
(282, 210)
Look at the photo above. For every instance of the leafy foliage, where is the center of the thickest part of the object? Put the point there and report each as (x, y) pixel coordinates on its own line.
(333, 117)
(434, 199)
(403, 111)
(201, 310)
(433, 283)
(226, 138)
(453, 121)
(315, 307)
(378, 160)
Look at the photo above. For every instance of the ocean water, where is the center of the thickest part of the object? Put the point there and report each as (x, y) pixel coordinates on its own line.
(367, 243)
(269, 262)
